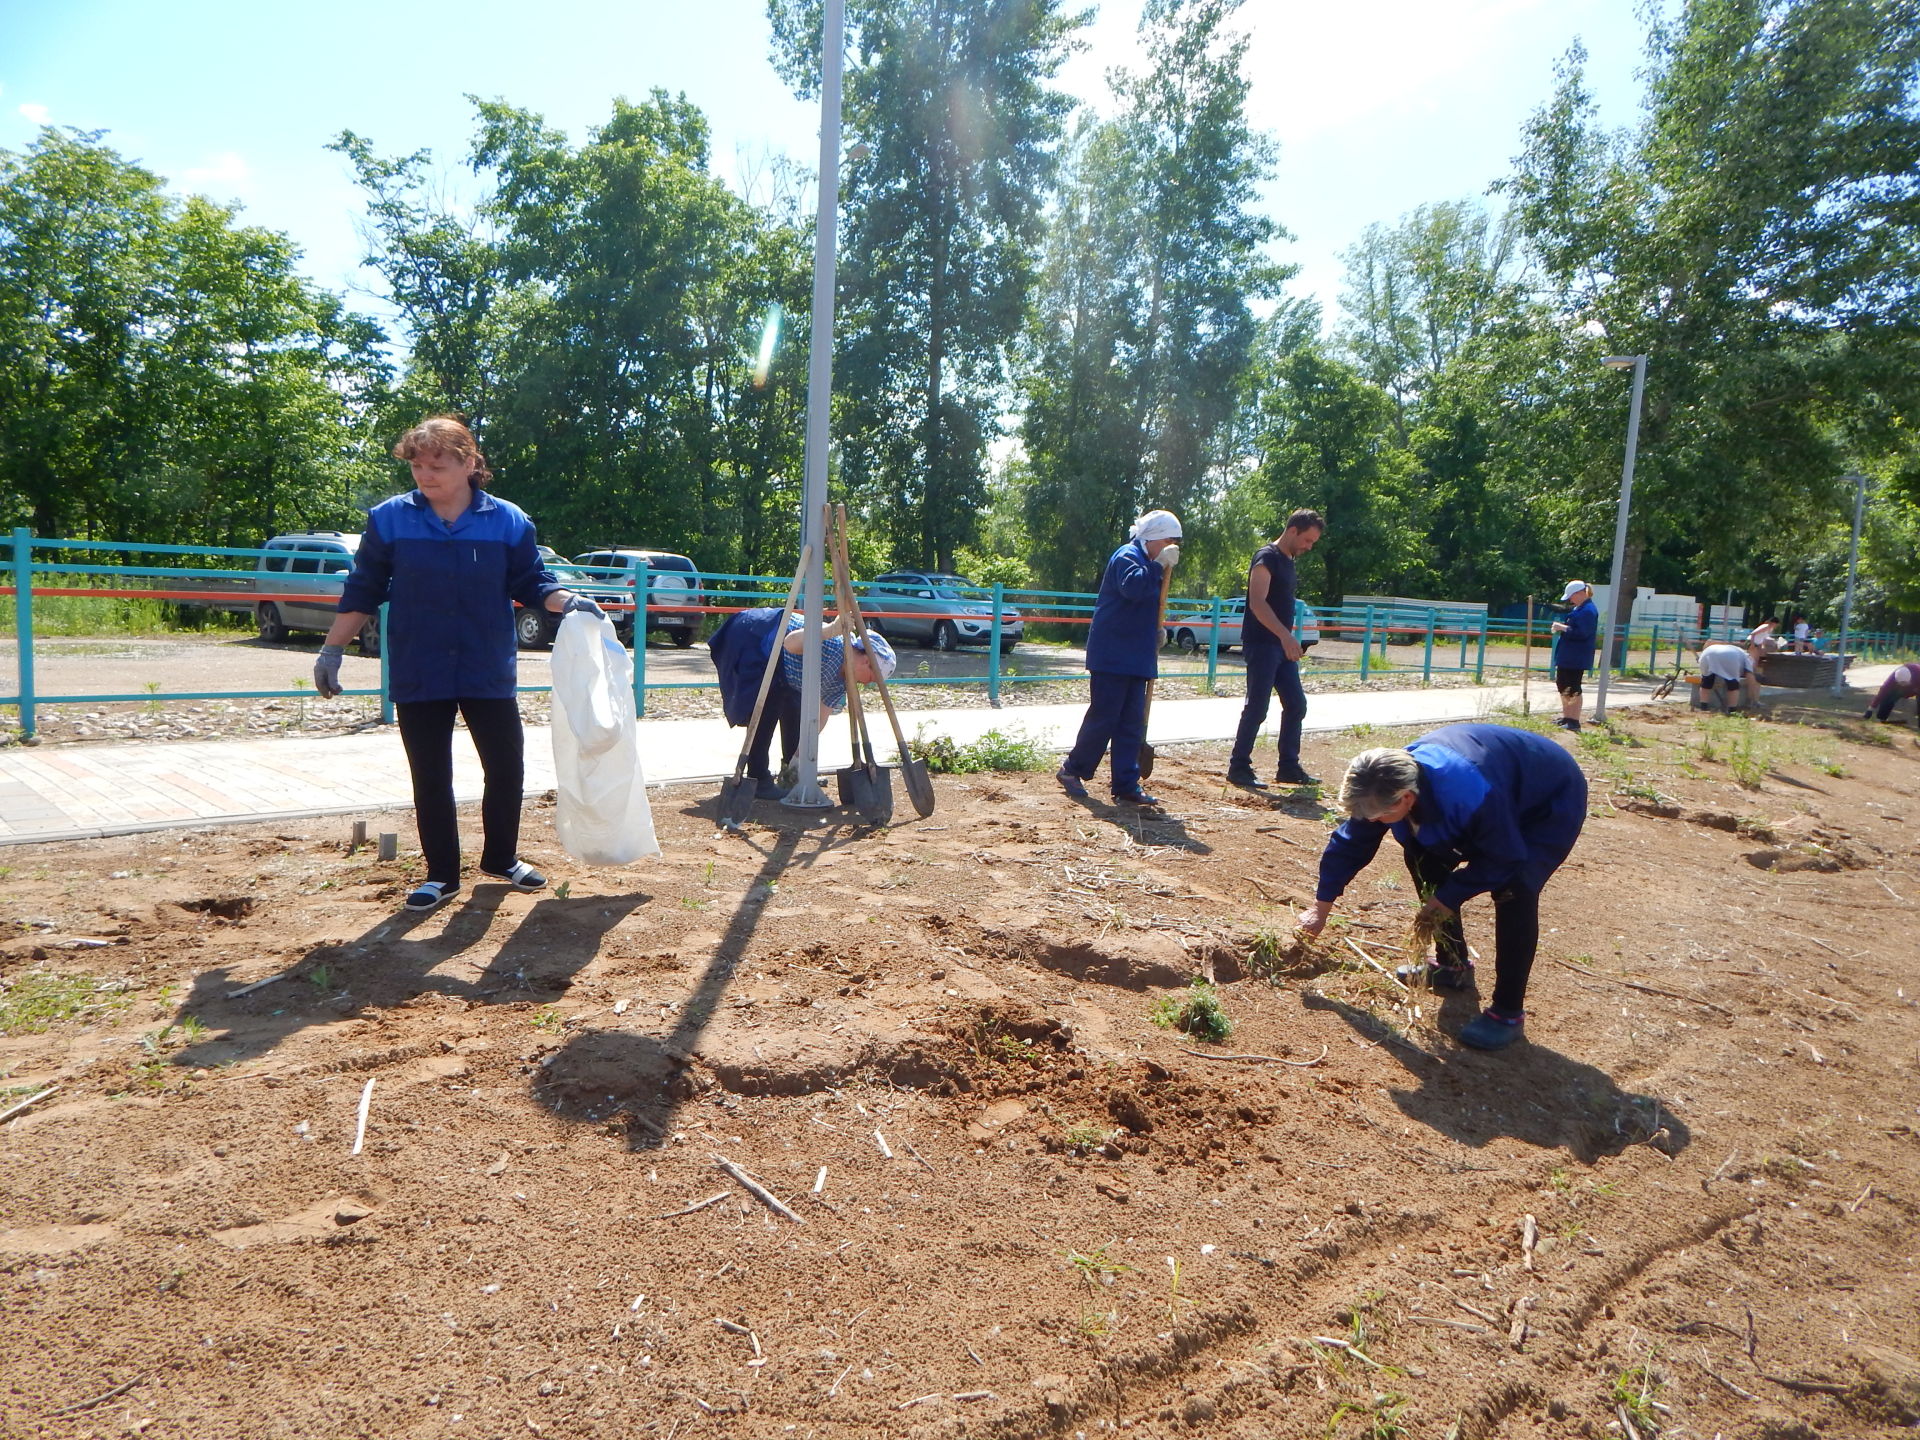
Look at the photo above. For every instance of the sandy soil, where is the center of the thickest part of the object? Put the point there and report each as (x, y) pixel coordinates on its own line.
(1019, 1207)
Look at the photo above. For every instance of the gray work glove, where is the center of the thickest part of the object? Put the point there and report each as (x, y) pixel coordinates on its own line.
(326, 671)
(1169, 556)
(580, 604)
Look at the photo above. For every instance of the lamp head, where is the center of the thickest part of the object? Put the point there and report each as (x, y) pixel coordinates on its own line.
(1621, 362)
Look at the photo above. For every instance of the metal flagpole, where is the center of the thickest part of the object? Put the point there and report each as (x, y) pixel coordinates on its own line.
(1639, 366)
(1853, 564)
(806, 792)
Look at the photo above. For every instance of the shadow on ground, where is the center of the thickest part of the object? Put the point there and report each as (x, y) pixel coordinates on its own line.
(1528, 1093)
(643, 1078)
(400, 959)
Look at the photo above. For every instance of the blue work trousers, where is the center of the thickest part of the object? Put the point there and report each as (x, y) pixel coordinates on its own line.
(1117, 718)
(1269, 671)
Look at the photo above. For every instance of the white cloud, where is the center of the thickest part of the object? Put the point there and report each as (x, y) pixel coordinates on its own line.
(226, 171)
(36, 113)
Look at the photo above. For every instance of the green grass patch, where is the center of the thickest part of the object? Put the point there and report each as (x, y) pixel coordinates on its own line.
(1196, 1012)
(32, 1002)
(997, 750)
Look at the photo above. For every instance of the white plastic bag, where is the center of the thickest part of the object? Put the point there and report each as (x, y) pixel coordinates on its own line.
(602, 816)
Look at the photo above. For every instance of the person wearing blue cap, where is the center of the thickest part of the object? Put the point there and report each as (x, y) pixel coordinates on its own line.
(1123, 654)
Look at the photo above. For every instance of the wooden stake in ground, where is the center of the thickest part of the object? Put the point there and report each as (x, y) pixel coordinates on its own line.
(1526, 668)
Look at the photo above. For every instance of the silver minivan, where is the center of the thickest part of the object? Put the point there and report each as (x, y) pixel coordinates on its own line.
(300, 571)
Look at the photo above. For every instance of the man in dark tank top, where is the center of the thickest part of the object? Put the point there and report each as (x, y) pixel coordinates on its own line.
(1273, 653)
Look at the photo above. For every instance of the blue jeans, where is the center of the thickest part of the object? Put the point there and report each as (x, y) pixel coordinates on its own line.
(1269, 671)
(1117, 718)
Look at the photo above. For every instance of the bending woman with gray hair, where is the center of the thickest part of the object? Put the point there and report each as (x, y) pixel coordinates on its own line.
(1477, 809)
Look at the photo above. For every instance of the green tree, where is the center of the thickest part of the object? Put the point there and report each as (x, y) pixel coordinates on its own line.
(1143, 339)
(165, 374)
(1327, 443)
(1755, 235)
(951, 119)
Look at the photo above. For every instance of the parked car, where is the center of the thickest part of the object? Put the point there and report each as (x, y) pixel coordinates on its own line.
(944, 611)
(673, 576)
(303, 564)
(1196, 632)
(535, 628)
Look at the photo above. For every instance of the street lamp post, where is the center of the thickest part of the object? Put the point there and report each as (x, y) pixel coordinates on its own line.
(1638, 364)
(1853, 564)
(806, 792)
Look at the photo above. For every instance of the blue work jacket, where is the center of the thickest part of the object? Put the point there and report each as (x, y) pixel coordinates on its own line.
(450, 589)
(1507, 803)
(1573, 647)
(1124, 638)
(739, 649)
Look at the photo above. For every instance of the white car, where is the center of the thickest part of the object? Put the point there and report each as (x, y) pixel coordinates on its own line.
(1195, 632)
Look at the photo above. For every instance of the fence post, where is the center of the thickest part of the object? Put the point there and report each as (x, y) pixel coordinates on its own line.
(23, 620)
(1426, 666)
(642, 598)
(386, 673)
(1480, 656)
(1213, 641)
(993, 646)
(1366, 647)
(1653, 659)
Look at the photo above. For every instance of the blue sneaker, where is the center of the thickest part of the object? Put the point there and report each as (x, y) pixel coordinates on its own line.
(1135, 797)
(1071, 783)
(1489, 1031)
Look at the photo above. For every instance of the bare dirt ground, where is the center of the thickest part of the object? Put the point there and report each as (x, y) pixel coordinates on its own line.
(1020, 1208)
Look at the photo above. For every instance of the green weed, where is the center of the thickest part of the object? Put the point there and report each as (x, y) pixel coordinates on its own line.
(321, 978)
(1636, 1391)
(1197, 1012)
(547, 1018)
(1382, 1418)
(1096, 1266)
(1086, 1136)
(563, 889)
(997, 750)
(31, 1002)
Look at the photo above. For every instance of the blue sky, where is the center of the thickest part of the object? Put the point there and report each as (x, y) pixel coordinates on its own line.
(1377, 107)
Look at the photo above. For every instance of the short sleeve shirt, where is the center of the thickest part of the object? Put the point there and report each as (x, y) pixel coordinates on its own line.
(1280, 595)
(1727, 662)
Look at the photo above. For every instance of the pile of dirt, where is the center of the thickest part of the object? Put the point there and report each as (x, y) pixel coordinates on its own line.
(1000, 1198)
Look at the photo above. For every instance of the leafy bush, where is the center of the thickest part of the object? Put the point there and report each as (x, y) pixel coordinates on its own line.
(996, 750)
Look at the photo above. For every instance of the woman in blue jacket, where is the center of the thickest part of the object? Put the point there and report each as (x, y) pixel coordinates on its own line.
(1575, 638)
(1123, 654)
(449, 561)
(1477, 809)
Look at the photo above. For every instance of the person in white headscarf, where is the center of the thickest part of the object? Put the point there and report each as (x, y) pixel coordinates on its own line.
(1123, 654)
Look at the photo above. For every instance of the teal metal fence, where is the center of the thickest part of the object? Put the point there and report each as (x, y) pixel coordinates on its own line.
(1400, 640)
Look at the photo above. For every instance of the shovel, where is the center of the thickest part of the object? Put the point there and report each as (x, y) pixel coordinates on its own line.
(1146, 749)
(865, 786)
(737, 795)
(913, 771)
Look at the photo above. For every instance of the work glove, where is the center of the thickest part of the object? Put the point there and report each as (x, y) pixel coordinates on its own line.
(580, 604)
(326, 672)
(1169, 556)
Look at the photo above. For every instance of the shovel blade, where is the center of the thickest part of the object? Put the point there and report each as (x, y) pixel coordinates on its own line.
(1146, 759)
(736, 800)
(867, 791)
(919, 786)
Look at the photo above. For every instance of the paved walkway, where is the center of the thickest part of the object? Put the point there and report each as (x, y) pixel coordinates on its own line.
(83, 791)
